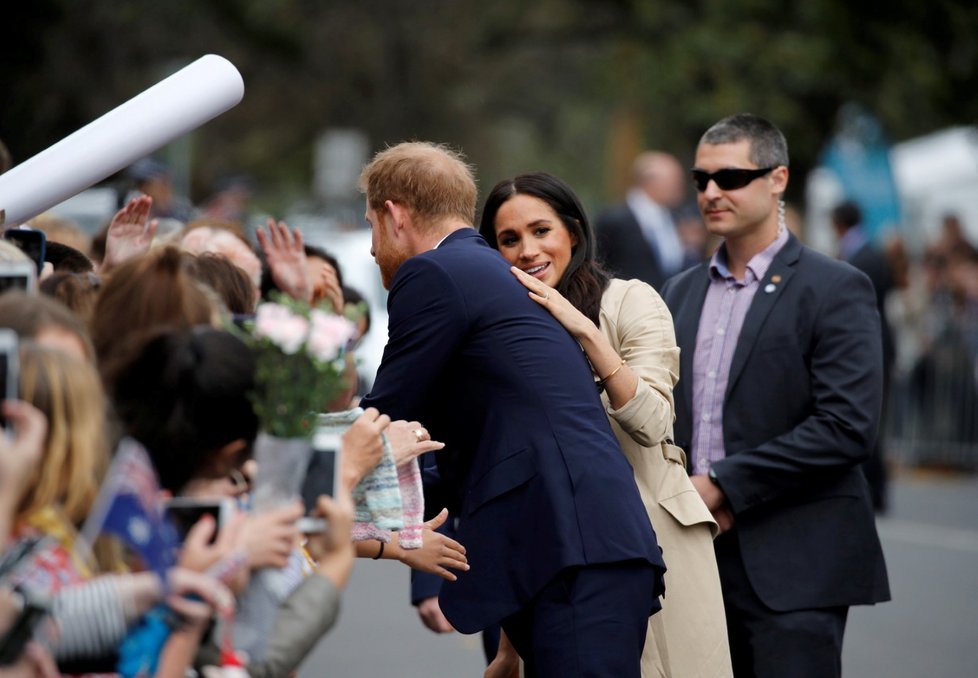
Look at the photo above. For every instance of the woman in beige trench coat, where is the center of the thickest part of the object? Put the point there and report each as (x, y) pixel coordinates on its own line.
(537, 223)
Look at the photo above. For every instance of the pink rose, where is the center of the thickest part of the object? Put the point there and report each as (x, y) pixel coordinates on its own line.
(329, 334)
(281, 326)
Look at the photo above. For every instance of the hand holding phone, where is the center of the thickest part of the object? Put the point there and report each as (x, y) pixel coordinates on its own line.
(337, 540)
(269, 537)
(33, 609)
(185, 512)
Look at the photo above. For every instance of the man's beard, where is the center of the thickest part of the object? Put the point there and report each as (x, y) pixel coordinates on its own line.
(388, 259)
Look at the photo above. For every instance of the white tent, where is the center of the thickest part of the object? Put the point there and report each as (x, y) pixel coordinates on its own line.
(937, 174)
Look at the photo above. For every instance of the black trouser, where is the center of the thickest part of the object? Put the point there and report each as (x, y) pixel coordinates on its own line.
(769, 644)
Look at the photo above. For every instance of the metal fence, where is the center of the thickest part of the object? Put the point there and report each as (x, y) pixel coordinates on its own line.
(932, 413)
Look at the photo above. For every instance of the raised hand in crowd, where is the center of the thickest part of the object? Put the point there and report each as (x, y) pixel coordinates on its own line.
(130, 233)
(363, 446)
(326, 285)
(19, 457)
(409, 440)
(286, 259)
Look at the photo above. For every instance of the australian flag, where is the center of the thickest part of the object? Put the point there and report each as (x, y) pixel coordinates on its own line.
(129, 507)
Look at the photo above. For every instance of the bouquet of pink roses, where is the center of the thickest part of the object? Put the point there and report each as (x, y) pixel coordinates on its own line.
(300, 353)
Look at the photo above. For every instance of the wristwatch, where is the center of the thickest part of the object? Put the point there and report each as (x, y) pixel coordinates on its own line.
(712, 475)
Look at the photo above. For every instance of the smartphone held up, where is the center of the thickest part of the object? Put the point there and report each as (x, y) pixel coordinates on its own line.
(31, 242)
(9, 370)
(322, 475)
(17, 275)
(185, 512)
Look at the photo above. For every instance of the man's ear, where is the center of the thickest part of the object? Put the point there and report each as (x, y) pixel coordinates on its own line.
(399, 215)
(779, 180)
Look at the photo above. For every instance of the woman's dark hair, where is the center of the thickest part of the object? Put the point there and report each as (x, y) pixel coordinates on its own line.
(585, 280)
(184, 397)
(67, 259)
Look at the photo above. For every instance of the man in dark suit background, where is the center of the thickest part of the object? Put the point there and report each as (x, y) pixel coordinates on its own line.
(857, 249)
(638, 238)
(558, 542)
(778, 406)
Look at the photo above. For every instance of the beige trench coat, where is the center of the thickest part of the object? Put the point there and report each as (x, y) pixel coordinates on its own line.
(688, 638)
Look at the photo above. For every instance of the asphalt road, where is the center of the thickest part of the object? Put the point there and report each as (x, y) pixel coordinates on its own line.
(930, 537)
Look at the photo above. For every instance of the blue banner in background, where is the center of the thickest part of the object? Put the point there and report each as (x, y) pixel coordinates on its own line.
(859, 156)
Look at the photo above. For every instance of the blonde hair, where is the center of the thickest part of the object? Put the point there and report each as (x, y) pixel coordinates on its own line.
(68, 391)
(431, 180)
(142, 296)
(64, 231)
(10, 252)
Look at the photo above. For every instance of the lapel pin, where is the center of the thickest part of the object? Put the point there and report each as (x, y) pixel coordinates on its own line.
(770, 288)
(775, 279)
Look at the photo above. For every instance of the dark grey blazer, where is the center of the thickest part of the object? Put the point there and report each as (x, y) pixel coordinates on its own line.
(800, 415)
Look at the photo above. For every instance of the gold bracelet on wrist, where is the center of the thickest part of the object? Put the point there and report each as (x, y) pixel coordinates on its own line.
(613, 372)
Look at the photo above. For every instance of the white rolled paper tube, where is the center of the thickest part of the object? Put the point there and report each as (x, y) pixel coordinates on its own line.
(167, 110)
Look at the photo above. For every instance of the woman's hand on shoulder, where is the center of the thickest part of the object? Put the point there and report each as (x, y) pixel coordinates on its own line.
(575, 322)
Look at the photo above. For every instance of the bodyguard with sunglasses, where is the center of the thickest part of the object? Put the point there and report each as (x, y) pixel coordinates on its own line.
(777, 406)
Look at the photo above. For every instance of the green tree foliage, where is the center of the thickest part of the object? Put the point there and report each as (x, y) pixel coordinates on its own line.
(572, 86)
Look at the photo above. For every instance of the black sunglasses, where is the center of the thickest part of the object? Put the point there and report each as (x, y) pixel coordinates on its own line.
(727, 179)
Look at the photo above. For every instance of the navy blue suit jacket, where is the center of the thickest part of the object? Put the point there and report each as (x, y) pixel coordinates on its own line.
(799, 416)
(538, 481)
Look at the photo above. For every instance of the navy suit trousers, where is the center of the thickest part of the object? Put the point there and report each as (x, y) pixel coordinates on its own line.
(589, 621)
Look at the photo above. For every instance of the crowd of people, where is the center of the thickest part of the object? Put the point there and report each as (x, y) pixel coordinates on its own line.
(142, 342)
(653, 457)
(933, 311)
